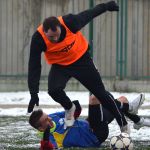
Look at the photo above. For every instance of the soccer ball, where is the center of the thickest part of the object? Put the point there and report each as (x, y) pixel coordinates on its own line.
(121, 142)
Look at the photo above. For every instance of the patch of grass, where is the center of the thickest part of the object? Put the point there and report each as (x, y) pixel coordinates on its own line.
(16, 134)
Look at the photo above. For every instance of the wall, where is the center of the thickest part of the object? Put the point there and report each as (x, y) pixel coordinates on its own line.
(121, 45)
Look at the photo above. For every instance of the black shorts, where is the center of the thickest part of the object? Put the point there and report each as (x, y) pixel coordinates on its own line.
(98, 120)
(108, 116)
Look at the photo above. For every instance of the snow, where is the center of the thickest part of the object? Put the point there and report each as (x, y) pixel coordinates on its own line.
(22, 98)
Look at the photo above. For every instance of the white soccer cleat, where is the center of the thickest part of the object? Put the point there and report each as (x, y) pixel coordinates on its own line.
(143, 122)
(69, 116)
(136, 103)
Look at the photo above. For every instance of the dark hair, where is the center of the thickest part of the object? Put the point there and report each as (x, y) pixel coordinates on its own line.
(51, 23)
(34, 118)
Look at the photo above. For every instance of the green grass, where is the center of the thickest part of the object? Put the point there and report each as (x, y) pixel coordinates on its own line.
(16, 134)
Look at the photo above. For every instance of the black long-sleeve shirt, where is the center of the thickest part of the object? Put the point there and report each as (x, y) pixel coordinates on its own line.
(74, 22)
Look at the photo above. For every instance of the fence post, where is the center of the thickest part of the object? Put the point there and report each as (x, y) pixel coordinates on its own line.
(121, 42)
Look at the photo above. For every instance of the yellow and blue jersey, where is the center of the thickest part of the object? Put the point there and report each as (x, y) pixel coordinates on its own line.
(79, 135)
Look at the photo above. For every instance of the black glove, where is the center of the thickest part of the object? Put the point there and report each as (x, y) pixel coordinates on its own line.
(112, 6)
(45, 143)
(34, 100)
(46, 133)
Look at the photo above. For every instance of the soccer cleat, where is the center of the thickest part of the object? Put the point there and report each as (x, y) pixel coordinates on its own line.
(143, 122)
(69, 116)
(136, 103)
(125, 129)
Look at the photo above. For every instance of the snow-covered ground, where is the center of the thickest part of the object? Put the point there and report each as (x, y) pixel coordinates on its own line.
(22, 98)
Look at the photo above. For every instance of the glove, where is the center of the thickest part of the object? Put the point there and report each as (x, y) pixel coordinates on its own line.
(46, 133)
(45, 143)
(78, 109)
(112, 6)
(34, 100)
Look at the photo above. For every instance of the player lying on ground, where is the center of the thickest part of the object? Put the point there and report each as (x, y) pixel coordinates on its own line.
(89, 132)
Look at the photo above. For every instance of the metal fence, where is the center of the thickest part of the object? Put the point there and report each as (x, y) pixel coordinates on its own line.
(121, 41)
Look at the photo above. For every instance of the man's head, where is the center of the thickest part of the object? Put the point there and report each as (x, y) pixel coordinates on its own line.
(40, 120)
(52, 29)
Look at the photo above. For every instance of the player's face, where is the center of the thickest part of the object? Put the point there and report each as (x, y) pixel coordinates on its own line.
(53, 36)
(45, 120)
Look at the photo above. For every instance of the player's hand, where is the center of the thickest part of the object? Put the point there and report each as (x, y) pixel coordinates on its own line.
(112, 6)
(45, 143)
(33, 101)
(46, 134)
